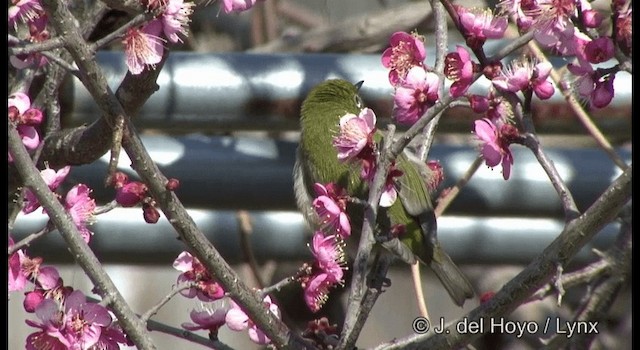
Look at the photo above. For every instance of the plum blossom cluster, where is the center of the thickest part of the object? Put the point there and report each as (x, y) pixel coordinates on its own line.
(144, 45)
(74, 323)
(416, 89)
(30, 14)
(562, 26)
(66, 320)
(215, 311)
(355, 144)
(326, 271)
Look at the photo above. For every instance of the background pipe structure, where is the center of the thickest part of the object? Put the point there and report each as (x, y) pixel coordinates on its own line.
(240, 91)
(204, 97)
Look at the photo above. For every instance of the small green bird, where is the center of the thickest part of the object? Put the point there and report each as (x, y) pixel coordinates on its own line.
(317, 162)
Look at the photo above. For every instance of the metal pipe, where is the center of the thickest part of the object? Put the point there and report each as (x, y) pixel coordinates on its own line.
(122, 236)
(256, 174)
(240, 91)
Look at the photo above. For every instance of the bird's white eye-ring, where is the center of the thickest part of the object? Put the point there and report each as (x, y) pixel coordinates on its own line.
(358, 102)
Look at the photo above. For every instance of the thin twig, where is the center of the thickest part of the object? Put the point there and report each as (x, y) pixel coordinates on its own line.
(175, 290)
(106, 208)
(246, 229)
(531, 141)
(278, 286)
(447, 197)
(186, 335)
(26, 48)
(62, 63)
(25, 242)
(118, 33)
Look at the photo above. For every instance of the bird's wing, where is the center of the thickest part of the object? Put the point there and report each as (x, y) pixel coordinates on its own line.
(414, 195)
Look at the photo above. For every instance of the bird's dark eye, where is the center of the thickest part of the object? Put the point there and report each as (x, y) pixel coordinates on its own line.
(358, 102)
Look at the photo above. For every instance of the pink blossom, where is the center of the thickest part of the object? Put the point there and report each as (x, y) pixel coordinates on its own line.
(597, 90)
(330, 205)
(316, 290)
(389, 193)
(37, 33)
(77, 325)
(131, 194)
(81, 208)
(206, 288)
(623, 30)
(17, 278)
(524, 11)
(175, 19)
(480, 25)
(495, 148)
(591, 18)
(599, 50)
(329, 254)
(111, 337)
(52, 178)
(523, 75)
(415, 95)
(143, 47)
(238, 320)
(24, 11)
(479, 104)
(552, 22)
(405, 51)
(603, 92)
(209, 317)
(460, 68)
(356, 132)
(237, 5)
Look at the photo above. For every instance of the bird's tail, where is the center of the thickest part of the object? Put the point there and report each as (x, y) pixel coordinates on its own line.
(454, 281)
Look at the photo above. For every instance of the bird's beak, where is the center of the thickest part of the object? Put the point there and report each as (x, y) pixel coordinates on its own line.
(358, 84)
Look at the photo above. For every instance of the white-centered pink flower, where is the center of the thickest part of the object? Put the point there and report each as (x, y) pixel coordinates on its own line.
(522, 75)
(206, 287)
(405, 51)
(459, 68)
(81, 207)
(328, 250)
(356, 133)
(238, 320)
(175, 19)
(143, 47)
(52, 178)
(495, 146)
(209, 317)
(415, 95)
(480, 25)
(330, 205)
(24, 11)
(76, 324)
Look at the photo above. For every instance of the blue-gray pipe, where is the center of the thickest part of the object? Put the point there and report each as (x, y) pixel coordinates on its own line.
(240, 91)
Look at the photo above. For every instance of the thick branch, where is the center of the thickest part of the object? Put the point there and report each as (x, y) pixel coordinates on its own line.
(353, 33)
